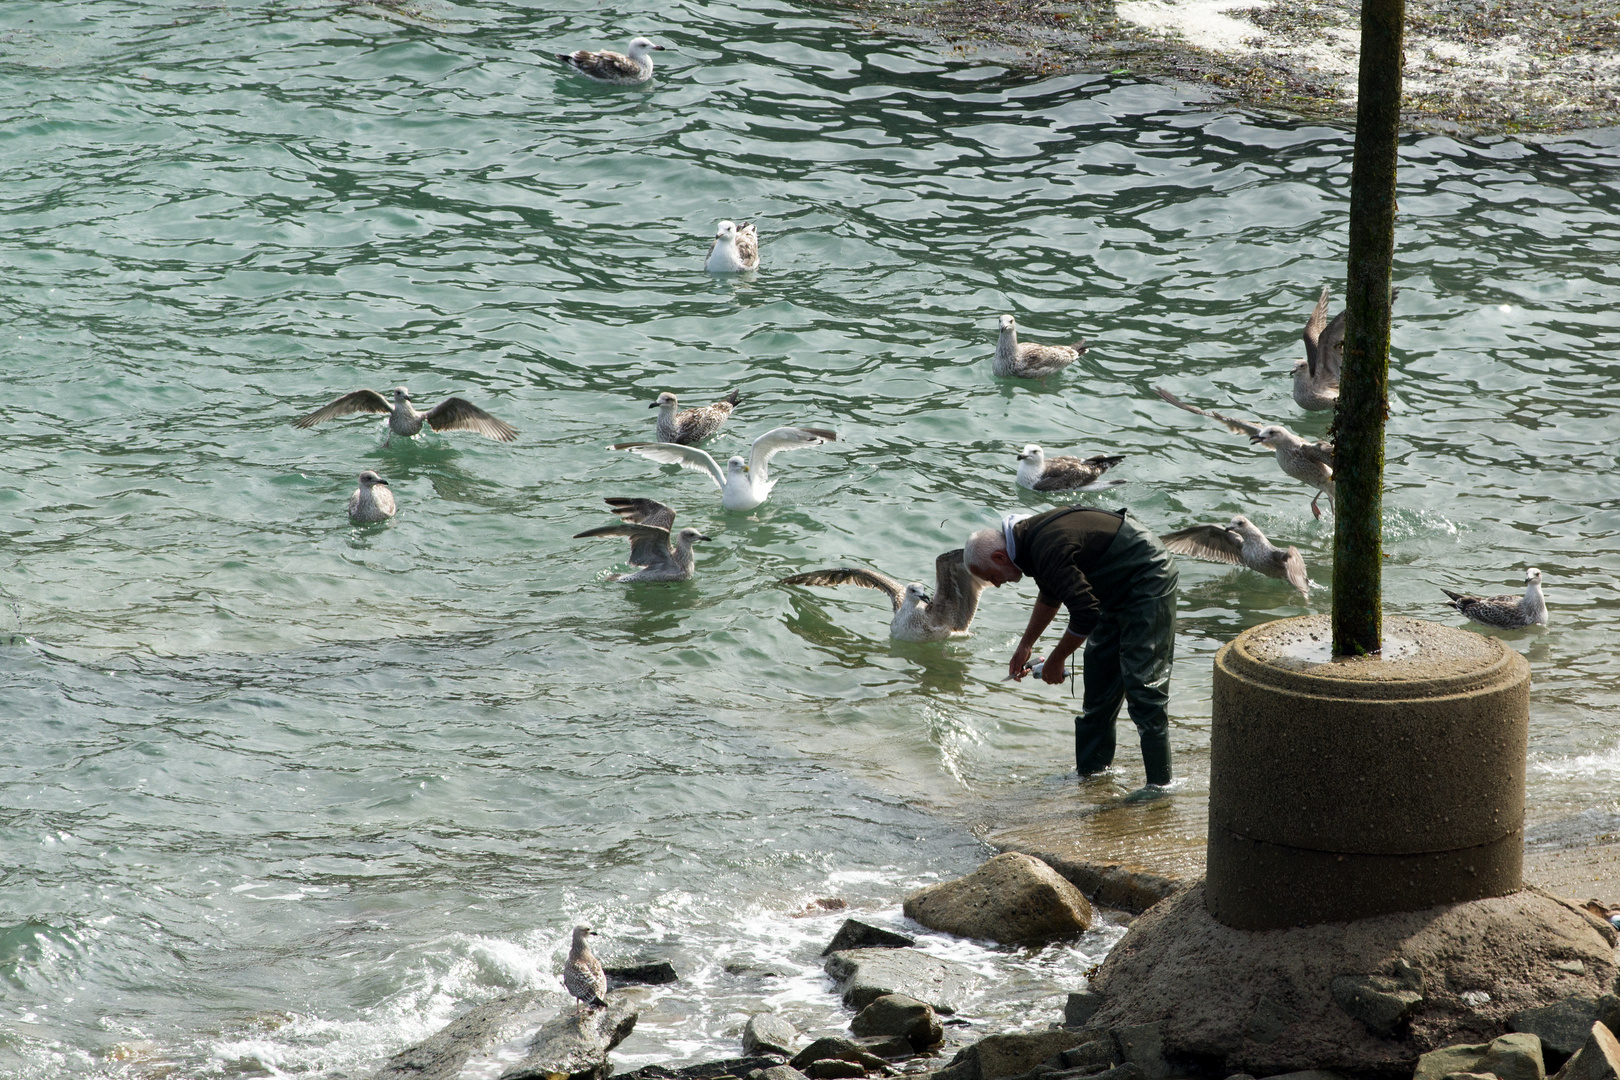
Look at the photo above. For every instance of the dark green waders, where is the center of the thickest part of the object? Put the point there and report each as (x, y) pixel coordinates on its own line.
(1129, 654)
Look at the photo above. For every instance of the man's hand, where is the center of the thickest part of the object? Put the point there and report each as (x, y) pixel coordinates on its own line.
(1053, 672)
(1020, 661)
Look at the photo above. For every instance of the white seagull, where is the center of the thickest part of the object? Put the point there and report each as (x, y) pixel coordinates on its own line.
(1038, 472)
(1306, 460)
(1508, 611)
(614, 67)
(647, 524)
(1241, 543)
(917, 617)
(583, 976)
(1028, 360)
(735, 249)
(451, 414)
(372, 501)
(743, 484)
(691, 426)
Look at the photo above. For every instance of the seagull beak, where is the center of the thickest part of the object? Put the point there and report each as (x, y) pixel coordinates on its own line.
(660, 48)
(654, 405)
(381, 481)
(705, 538)
(1255, 439)
(1023, 457)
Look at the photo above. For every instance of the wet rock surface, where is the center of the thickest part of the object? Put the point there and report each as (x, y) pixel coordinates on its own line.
(1013, 899)
(1008, 1055)
(899, 1015)
(767, 1033)
(442, 1055)
(855, 934)
(575, 1043)
(864, 975)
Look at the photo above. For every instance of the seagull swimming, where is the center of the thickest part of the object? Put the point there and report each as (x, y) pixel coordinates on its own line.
(1316, 378)
(692, 425)
(582, 975)
(1038, 472)
(1027, 360)
(372, 501)
(735, 249)
(614, 67)
(451, 414)
(917, 617)
(743, 484)
(647, 522)
(1508, 611)
(1309, 461)
(1241, 543)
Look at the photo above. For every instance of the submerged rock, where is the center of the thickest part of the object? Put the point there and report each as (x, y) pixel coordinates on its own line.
(898, 1014)
(1013, 899)
(864, 975)
(441, 1055)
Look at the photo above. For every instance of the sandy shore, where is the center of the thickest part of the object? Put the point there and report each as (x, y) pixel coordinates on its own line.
(1504, 67)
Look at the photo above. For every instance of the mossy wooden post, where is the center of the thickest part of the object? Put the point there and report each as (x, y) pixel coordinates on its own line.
(1364, 382)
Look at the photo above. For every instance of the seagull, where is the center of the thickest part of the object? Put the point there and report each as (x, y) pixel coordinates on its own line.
(1029, 361)
(693, 425)
(743, 484)
(1241, 543)
(614, 67)
(647, 523)
(451, 414)
(372, 501)
(1039, 473)
(1508, 611)
(1310, 462)
(1316, 378)
(583, 976)
(735, 249)
(947, 614)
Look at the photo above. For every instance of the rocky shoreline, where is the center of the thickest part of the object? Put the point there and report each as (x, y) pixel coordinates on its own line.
(1473, 69)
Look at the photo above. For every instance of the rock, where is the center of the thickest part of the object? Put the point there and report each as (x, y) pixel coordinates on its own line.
(441, 1055)
(708, 1070)
(1007, 1055)
(1514, 1057)
(1307, 1074)
(1468, 1076)
(1142, 1045)
(1127, 1071)
(767, 1033)
(575, 1043)
(1012, 899)
(1598, 1059)
(1099, 1053)
(887, 1047)
(653, 973)
(898, 1014)
(1109, 885)
(836, 1047)
(855, 934)
(1564, 1027)
(1080, 1007)
(1382, 1002)
(1438, 1064)
(865, 975)
(834, 1069)
(1240, 1076)
(777, 1072)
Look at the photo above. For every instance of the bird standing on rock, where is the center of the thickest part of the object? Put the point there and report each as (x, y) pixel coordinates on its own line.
(583, 976)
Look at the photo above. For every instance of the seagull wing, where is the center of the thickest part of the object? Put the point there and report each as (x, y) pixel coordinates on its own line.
(457, 414)
(956, 592)
(1319, 451)
(649, 545)
(1294, 571)
(850, 575)
(1072, 474)
(644, 512)
(687, 457)
(359, 401)
(1216, 543)
(776, 440)
(748, 244)
(1313, 332)
(1330, 352)
(1237, 427)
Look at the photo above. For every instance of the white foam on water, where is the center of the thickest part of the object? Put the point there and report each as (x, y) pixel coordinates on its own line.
(1604, 764)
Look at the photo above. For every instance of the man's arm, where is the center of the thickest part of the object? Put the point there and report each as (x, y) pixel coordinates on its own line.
(1053, 671)
(1040, 617)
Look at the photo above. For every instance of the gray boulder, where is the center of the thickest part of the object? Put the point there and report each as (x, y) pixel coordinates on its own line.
(1564, 1027)
(1013, 899)
(1438, 1064)
(1007, 1055)
(898, 1014)
(767, 1033)
(864, 975)
(834, 1069)
(777, 1072)
(1308, 1074)
(855, 934)
(1511, 1057)
(707, 1070)
(887, 1047)
(1142, 1045)
(441, 1055)
(1598, 1059)
(1080, 1007)
(575, 1043)
(1382, 1002)
(836, 1047)
(652, 973)
(1098, 1054)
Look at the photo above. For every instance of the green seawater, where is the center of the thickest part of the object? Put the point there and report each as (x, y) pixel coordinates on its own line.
(283, 795)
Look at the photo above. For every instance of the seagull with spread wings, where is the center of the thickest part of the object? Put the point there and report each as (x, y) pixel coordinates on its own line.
(647, 524)
(451, 414)
(1306, 460)
(1241, 543)
(743, 484)
(917, 616)
(1316, 378)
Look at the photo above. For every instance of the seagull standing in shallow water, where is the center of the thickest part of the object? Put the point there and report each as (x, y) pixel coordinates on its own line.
(646, 523)
(1241, 543)
(917, 617)
(1307, 460)
(743, 484)
(583, 976)
(1038, 472)
(614, 67)
(1508, 611)
(451, 414)
(735, 249)
(691, 426)
(372, 501)
(1026, 360)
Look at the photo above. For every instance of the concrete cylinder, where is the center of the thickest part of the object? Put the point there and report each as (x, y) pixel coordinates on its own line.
(1345, 789)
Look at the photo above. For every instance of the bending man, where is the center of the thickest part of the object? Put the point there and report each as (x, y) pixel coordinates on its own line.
(1119, 585)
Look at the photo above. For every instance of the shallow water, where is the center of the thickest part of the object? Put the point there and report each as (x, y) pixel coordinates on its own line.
(284, 795)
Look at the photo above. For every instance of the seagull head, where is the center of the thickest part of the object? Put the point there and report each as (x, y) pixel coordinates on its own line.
(1008, 323)
(368, 478)
(640, 45)
(1268, 433)
(1241, 526)
(917, 593)
(1031, 452)
(1532, 576)
(736, 466)
(690, 536)
(666, 398)
(580, 934)
(401, 394)
(726, 231)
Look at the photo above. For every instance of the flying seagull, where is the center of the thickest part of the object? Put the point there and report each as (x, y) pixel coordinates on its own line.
(372, 501)
(1038, 472)
(1241, 543)
(647, 523)
(1028, 360)
(917, 617)
(1508, 611)
(451, 414)
(1309, 461)
(583, 976)
(691, 426)
(743, 484)
(615, 67)
(735, 249)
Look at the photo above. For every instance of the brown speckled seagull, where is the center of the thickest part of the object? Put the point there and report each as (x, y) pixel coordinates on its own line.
(1026, 360)
(1241, 543)
(614, 67)
(451, 414)
(691, 426)
(583, 976)
(1309, 461)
